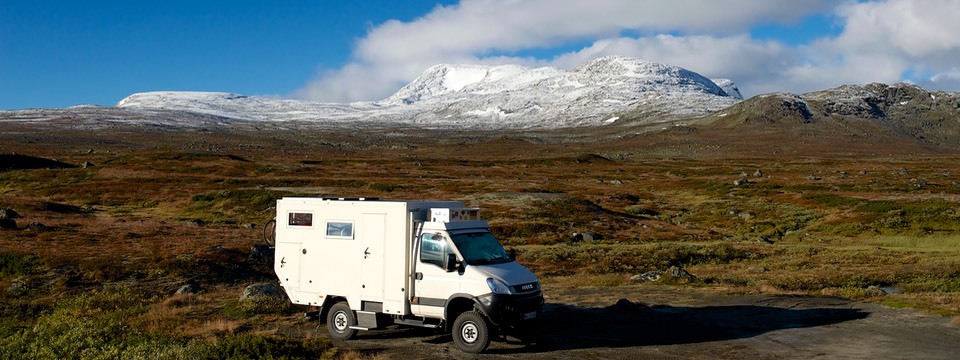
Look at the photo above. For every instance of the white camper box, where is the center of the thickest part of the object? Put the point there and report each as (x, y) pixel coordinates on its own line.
(371, 263)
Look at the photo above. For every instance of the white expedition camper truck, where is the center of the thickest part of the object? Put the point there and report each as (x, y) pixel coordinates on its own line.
(370, 263)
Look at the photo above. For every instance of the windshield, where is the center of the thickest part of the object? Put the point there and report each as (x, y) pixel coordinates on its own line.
(480, 248)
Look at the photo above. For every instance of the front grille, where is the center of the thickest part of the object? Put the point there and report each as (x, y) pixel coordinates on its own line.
(528, 287)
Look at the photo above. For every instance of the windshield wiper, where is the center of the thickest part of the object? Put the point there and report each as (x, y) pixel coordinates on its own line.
(492, 261)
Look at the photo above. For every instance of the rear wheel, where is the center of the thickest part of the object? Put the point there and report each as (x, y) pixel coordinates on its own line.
(471, 332)
(339, 320)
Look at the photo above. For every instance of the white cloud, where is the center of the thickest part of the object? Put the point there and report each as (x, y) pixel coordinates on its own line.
(881, 41)
(477, 26)
(910, 28)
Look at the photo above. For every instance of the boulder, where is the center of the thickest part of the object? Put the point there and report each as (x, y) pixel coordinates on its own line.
(679, 273)
(37, 226)
(874, 291)
(8, 214)
(585, 236)
(262, 290)
(188, 289)
(261, 251)
(591, 236)
(647, 276)
(627, 306)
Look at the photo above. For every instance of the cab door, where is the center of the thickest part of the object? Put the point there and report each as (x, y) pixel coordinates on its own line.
(433, 285)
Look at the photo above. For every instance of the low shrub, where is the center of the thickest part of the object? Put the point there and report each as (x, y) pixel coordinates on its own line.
(248, 346)
(100, 325)
(834, 201)
(383, 187)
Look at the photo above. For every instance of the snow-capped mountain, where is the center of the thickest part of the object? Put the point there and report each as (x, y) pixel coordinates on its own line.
(506, 96)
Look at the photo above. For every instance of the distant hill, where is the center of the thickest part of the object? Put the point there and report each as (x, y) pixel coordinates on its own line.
(902, 111)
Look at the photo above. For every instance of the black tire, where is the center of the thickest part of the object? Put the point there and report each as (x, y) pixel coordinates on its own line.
(471, 332)
(270, 232)
(339, 320)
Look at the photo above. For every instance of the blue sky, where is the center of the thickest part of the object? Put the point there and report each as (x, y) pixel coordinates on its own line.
(64, 53)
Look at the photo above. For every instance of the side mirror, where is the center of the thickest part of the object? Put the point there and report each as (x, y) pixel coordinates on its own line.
(451, 263)
(513, 254)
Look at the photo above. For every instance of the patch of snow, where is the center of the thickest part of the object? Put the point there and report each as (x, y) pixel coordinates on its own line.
(489, 112)
(458, 78)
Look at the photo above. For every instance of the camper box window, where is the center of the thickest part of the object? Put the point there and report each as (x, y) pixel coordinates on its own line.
(340, 229)
(301, 219)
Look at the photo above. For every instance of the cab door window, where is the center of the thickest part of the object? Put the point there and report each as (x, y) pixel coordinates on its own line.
(433, 249)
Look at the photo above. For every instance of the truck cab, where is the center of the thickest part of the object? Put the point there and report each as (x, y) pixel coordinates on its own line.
(462, 268)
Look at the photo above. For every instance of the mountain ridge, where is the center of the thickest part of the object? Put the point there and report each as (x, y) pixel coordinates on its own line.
(607, 98)
(479, 96)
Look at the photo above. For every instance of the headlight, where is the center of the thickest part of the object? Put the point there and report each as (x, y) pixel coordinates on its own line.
(498, 287)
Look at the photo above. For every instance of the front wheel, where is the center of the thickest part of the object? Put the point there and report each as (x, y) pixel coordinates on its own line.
(471, 332)
(339, 320)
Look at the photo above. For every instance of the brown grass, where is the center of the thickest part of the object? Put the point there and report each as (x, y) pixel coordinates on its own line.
(824, 224)
(354, 355)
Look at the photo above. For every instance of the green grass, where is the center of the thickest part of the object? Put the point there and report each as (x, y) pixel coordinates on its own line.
(942, 243)
(566, 259)
(15, 263)
(232, 205)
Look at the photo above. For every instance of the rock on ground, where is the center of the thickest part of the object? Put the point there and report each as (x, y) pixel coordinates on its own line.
(262, 290)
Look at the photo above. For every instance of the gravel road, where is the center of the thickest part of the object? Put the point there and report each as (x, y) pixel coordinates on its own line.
(667, 323)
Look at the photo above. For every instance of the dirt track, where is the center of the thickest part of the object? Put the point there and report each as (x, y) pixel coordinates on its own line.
(685, 324)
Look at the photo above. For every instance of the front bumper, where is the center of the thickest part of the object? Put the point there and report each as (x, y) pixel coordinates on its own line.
(507, 311)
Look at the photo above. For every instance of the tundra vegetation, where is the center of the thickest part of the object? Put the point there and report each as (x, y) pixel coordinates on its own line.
(93, 266)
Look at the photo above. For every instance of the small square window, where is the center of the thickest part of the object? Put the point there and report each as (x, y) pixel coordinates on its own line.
(300, 219)
(340, 229)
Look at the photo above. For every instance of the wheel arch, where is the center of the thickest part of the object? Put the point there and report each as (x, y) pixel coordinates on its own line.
(458, 304)
(327, 303)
